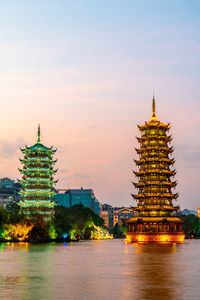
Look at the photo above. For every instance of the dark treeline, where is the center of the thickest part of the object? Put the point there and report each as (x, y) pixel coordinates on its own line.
(191, 226)
(119, 230)
(67, 223)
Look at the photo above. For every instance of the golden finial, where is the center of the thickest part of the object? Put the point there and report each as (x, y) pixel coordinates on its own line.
(38, 140)
(153, 118)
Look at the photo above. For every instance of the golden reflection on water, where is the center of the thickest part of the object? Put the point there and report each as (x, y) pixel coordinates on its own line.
(153, 271)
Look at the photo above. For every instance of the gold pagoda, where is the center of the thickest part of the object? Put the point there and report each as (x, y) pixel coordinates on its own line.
(155, 217)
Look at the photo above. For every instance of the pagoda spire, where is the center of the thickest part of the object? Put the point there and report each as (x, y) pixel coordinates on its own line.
(153, 118)
(38, 134)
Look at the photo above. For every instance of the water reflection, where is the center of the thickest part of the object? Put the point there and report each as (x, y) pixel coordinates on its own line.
(99, 270)
(27, 266)
(156, 268)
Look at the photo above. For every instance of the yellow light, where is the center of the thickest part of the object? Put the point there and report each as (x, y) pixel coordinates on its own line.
(156, 238)
(128, 239)
(141, 238)
(164, 238)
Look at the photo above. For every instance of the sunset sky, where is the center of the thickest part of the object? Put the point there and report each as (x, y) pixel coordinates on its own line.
(86, 71)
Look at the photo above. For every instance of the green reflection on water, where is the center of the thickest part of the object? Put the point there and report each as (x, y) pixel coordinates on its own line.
(25, 271)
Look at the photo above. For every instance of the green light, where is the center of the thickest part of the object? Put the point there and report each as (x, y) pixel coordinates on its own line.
(37, 181)
(2, 246)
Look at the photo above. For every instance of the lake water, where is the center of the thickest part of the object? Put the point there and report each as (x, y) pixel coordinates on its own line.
(98, 270)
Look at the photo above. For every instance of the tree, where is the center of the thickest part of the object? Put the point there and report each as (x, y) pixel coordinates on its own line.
(3, 216)
(75, 222)
(14, 215)
(119, 230)
(191, 225)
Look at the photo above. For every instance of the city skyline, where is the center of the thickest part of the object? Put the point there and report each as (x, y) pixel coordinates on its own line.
(86, 72)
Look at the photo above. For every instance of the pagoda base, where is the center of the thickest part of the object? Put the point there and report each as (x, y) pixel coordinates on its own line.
(155, 237)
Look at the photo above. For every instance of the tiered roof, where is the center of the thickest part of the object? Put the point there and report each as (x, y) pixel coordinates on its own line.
(154, 184)
(37, 179)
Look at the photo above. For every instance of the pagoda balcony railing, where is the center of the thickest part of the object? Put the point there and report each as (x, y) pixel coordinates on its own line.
(153, 144)
(155, 206)
(151, 152)
(144, 152)
(42, 157)
(147, 177)
(32, 170)
(38, 177)
(41, 179)
(33, 193)
(38, 187)
(35, 159)
(157, 168)
(36, 191)
(37, 198)
(154, 155)
(38, 183)
(150, 192)
(155, 136)
(170, 232)
(154, 190)
(38, 158)
(154, 159)
(154, 164)
(148, 213)
(157, 183)
(143, 195)
(153, 171)
(38, 165)
(151, 167)
(36, 201)
(43, 153)
(155, 147)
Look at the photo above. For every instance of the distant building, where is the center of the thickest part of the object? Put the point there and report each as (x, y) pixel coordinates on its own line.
(113, 215)
(109, 208)
(63, 198)
(71, 197)
(198, 212)
(9, 191)
(122, 213)
(105, 217)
